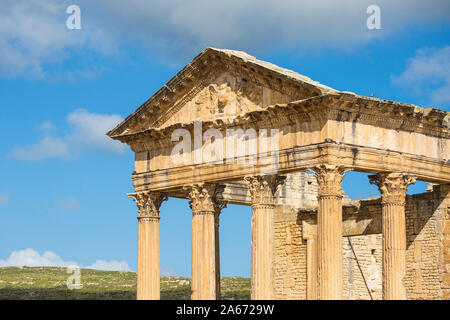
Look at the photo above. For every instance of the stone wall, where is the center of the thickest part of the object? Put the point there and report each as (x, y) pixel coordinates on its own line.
(427, 256)
(362, 267)
(422, 280)
(444, 227)
(290, 255)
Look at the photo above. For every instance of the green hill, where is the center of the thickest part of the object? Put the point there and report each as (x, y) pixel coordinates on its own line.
(50, 283)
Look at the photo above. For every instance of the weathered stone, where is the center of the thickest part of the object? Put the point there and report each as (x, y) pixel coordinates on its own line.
(287, 124)
(262, 190)
(205, 282)
(148, 273)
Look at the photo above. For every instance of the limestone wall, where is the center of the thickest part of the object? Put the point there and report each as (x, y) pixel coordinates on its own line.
(422, 279)
(290, 256)
(428, 252)
(444, 225)
(362, 267)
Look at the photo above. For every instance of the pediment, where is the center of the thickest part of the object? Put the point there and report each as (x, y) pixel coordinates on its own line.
(215, 85)
(226, 96)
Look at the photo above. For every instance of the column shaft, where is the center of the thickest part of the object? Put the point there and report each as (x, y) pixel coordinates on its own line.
(148, 273)
(148, 269)
(262, 190)
(204, 263)
(262, 253)
(329, 232)
(217, 252)
(205, 273)
(329, 245)
(393, 188)
(394, 251)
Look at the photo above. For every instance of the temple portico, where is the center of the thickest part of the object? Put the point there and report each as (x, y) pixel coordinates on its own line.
(282, 143)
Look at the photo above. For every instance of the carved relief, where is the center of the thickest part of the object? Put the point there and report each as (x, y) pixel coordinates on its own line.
(392, 187)
(149, 203)
(228, 95)
(263, 188)
(329, 178)
(203, 198)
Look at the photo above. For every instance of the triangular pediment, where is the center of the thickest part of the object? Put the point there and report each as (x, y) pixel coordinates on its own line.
(218, 84)
(228, 95)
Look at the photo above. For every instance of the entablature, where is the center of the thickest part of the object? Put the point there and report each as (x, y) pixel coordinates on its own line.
(304, 158)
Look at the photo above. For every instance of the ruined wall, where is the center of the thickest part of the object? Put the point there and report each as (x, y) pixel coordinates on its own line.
(444, 209)
(422, 280)
(362, 267)
(427, 256)
(290, 255)
(299, 190)
(443, 225)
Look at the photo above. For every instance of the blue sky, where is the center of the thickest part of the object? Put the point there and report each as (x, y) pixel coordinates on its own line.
(63, 182)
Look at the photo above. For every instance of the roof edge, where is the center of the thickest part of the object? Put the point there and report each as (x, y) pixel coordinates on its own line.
(243, 56)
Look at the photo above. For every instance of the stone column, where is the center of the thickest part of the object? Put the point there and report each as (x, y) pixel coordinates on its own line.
(393, 188)
(205, 276)
(329, 231)
(262, 190)
(217, 247)
(148, 273)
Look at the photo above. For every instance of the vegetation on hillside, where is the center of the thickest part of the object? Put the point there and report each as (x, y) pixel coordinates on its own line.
(51, 283)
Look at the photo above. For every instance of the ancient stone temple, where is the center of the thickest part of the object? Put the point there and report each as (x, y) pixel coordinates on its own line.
(229, 128)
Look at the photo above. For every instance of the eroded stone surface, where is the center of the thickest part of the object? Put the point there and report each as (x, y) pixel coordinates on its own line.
(312, 128)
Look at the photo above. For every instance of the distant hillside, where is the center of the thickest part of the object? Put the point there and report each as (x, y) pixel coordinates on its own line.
(50, 283)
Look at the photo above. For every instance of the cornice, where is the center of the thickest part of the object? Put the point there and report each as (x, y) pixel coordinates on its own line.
(336, 106)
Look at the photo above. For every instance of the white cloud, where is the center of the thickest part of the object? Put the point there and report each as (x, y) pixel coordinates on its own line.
(252, 25)
(32, 258)
(33, 34)
(112, 265)
(428, 73)
(69, 204)
(47, 125)
(48, 147)
(4, 199)
(88, 133)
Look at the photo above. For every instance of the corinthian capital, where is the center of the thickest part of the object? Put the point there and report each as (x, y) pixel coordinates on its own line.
(329, 178)
(392, 186)
(148, 202)
(263, 188)
(203, 198)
